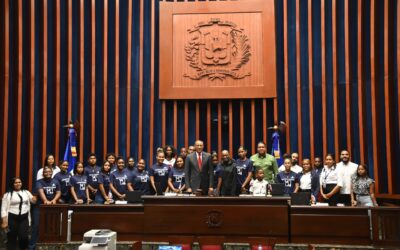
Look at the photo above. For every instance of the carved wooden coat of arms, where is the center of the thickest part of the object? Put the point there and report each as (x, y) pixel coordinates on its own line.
(217, 49)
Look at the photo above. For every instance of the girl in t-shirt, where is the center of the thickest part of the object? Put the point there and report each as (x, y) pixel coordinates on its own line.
(362, 188)
(119, 180)
(79, 189)
(176, 179)
(159, 174)
(104, 197)
(139, 179)
(63, 177)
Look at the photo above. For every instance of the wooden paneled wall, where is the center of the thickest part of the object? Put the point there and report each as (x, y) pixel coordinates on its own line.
(96, 61)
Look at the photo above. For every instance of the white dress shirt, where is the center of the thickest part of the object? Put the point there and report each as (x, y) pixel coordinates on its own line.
(345, 174)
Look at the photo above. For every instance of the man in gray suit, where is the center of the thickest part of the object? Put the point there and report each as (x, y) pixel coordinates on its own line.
(198, 170)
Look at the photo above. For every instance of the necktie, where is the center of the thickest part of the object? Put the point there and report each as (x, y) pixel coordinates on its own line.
(199, 161)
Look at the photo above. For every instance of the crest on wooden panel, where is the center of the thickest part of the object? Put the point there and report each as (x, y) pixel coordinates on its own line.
(217, 49)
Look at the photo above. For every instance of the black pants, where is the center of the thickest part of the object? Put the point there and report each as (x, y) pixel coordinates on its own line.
(345, 199)
(334, 200)
(19, 229)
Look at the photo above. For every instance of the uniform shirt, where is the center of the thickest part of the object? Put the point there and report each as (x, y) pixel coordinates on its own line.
(64, 179)
(92, 174)
(329, 176)
(160, 173)
(119, 179)
(178, 177)
(267, 163)
(345, 174)
(140, 181)
(130, 170)
(288, 179)
(296, 168)
(258, 187)
(243, 169)
(305, 181)
(49, 187)
(39, 174)
(104, 178)
(79, 182)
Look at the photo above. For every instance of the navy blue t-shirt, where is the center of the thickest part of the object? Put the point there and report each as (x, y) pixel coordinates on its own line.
(160, 173)
(178, 177)
(104, 179)
(140, 181)
(92, 174)
(63, 178)
(288, 179)
(243, 169)
(119, 179)
(79, 182)
(50, 187)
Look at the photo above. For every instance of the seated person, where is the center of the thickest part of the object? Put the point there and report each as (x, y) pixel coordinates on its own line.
(258, 186)
(287, 177)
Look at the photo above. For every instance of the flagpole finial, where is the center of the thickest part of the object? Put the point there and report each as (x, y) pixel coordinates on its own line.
(72, 124)
(281, 127)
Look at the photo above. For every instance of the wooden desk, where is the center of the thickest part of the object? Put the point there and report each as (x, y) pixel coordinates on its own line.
(229, 218)
(330, 225)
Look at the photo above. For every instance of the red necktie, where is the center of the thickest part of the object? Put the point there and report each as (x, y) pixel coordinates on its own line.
(200, 161)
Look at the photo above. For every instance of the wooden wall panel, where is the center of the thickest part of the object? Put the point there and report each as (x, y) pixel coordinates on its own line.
(214, 119)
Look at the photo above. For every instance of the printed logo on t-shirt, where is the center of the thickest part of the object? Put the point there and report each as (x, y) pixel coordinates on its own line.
(178, 178)
(122, 180)
(94, 176)
(240, 169)
(82, 185)
(50, 189)
(161, 172)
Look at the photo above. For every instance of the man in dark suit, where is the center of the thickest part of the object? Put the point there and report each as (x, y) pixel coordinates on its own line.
(198, 170)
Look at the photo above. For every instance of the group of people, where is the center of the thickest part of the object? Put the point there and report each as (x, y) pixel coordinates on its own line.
(192, 171)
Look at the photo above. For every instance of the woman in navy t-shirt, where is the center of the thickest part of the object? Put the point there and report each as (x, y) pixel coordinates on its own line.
(176, 180)
(139, 179)
(48, 188)
(159, 175)
(103, 196)
(79, 188)
(63, 177)
(119, 180)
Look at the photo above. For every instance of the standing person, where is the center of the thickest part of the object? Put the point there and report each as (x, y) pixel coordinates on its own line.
(266, 162)
(79, 185)
(191, 149)
(103, 196)
(50, 162)
(216, 171)
(183, 153)
(259, 186)
(227, 175)
(110, 157)
(169, 153)
(198, 170)
(329, 184)
(295, 160)
(159, 175)
(92, 172)
(140, 179)
(176, 179)
(318, 166)
(346, 170)
(15, 214)
(362, 188)
(244, 169)
(63, 177)
(307, 181)
(119, 180)
(287, 177)
(130, 168)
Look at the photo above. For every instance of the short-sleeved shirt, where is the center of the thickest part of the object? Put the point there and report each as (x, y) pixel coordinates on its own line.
(361, 185)
(119, 179)
(130, 170)
(346, 171)
(178, 177)
(140, 181)
(92, 174)
(267, 163)
(243, 169)
(288, 179)
(329, 176)
(64, 179)
(79, 182)
(161, 174)
(49, 186)
(104, 179)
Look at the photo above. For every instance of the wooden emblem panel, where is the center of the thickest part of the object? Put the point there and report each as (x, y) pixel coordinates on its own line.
(215, 50)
